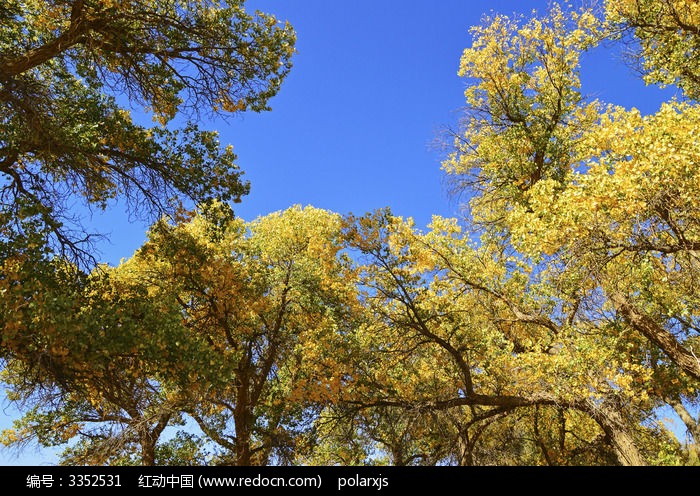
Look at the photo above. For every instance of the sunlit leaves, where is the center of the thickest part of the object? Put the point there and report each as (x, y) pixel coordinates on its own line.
(524, 107)
(550, 335)
(603, 209)
(665, 39)
(271, 298)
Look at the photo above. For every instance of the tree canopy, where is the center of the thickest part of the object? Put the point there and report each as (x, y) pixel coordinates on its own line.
(70, 73)
(547, 326)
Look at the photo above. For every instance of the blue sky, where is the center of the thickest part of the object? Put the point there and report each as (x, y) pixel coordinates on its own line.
(355, 125)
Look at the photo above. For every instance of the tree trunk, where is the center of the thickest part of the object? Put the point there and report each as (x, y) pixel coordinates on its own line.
(689, 421)
(615, 428)
(148, 449)
(242, 421)
(464, 449)
(655, 333)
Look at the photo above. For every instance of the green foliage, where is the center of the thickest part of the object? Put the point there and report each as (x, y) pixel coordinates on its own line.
(63, 134)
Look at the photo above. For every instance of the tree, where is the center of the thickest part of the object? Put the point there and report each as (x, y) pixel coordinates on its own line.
(380, 436)
(272, 299)
(604, 209)
(632, 219)
(524, 109)
(69, 71)
(473, 332)
(665, 40)
(236, 326)
(70, 68)
(97, 363)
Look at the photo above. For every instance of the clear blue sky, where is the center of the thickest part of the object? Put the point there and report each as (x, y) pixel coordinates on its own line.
(355, 123)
